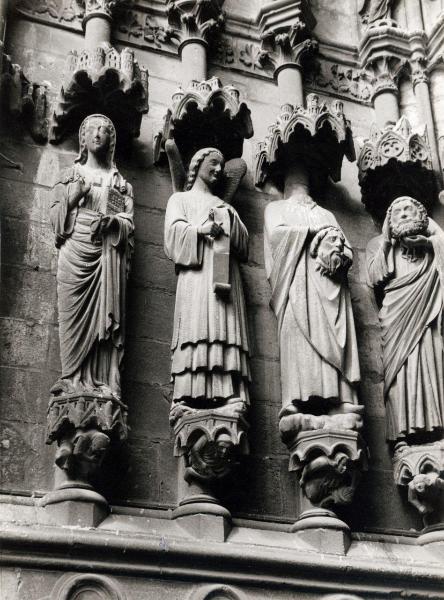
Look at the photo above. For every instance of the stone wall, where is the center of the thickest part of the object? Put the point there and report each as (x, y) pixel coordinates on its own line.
(144, 472)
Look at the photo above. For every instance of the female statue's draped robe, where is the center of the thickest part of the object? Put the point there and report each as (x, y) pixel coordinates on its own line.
(318, 351)
(210, 341)
(91, 283)
(411, 318)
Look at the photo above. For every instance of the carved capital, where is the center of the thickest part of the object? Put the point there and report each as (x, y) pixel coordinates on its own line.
(420, 469)
(304, 130)
(329, 463)
(195, 19)
(286, 32)
(99, 8)
(383, 73)
(419, 71)
(392, 159)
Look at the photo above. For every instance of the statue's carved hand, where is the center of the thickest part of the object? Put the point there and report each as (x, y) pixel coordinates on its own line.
(108, 223)
(80, 189)
(387, 239)
(416, 241)
(211, 229)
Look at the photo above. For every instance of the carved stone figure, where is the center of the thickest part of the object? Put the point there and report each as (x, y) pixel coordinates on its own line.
(376, 10)
(210, 343)
(92, 218)
(406, 265)
(307, 258)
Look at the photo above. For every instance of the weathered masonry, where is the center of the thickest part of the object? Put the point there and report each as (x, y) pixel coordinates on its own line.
(222, 299)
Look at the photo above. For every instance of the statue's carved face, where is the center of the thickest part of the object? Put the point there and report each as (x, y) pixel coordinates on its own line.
(211, 169)
(330, 253)
(97, 136)
(406, 219)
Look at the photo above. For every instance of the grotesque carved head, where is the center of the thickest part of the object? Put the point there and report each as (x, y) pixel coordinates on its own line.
(208, 164)
(327, 248)
(98, 136)
(406, 216)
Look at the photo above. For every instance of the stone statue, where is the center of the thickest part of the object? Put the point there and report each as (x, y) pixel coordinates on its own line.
(376, 10)
(406, 266)
(206, 239)
(306, 259)
(92, 217)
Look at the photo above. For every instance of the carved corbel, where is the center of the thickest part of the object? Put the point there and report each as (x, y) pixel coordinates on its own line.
(194, 19)
(329, 463)
(420, 469)
(395, 161)
(206, 114)
(210, 442)
(383, 73)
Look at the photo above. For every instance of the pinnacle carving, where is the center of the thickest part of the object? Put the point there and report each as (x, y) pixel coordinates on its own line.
(318, 131)
(286, 32)
(395, 158)
(191, 19)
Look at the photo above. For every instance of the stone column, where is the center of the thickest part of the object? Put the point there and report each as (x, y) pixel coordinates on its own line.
(286, 34)
(420, 82)
(413, 13)
(97, 22)
(384, 73)
(3, 16)
(195, 22)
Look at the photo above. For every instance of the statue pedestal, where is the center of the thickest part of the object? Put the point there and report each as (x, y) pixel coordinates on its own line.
(420, 469)
(208, 442)
(328, 463)
(83, 426)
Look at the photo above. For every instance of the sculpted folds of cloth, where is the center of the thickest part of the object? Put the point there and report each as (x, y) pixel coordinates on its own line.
(406, 266)
(92, 217)
(210, 354)
(306, 260)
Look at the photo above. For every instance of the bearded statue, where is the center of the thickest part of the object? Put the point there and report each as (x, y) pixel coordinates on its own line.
(406, 268)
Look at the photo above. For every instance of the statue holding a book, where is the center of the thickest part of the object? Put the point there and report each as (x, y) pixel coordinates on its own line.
(92, 217)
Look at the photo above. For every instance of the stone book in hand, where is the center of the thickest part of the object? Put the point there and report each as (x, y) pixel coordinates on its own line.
(115, 202)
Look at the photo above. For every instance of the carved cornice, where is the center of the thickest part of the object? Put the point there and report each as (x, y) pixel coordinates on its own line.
(206, 114)
(100, 78)
(320, 133)
(286, 31)
(393, 161)
(196, 20)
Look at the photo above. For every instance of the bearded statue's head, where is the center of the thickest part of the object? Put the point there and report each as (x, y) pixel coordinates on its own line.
(327, 248)
(406, 217)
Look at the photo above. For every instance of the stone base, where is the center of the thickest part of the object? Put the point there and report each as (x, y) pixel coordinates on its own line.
(433, 537)
(75, 507)
(209, 527)
(202, 504)
(323, 530)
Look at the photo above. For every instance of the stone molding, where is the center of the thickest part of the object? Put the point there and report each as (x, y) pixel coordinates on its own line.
(127, 554)
(69, 587)
(208, 592)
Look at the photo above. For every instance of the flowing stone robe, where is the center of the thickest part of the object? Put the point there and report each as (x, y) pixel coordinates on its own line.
(317, 339)
(91, 283)
(210, 341)
(411, 319)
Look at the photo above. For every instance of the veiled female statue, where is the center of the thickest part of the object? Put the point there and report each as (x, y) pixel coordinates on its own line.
(210, 343)
(92, 217)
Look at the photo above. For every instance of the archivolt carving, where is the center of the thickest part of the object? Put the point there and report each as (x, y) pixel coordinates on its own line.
(80, 587)
(217, 592)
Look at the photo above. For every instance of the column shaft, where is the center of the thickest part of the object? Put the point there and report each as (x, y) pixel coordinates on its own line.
(422, 94)
(290, 85)
(194, 61)
(386, 108)
(97, 31)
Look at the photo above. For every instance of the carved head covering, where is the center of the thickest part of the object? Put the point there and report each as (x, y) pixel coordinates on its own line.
(83, 151)
(195, 163)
